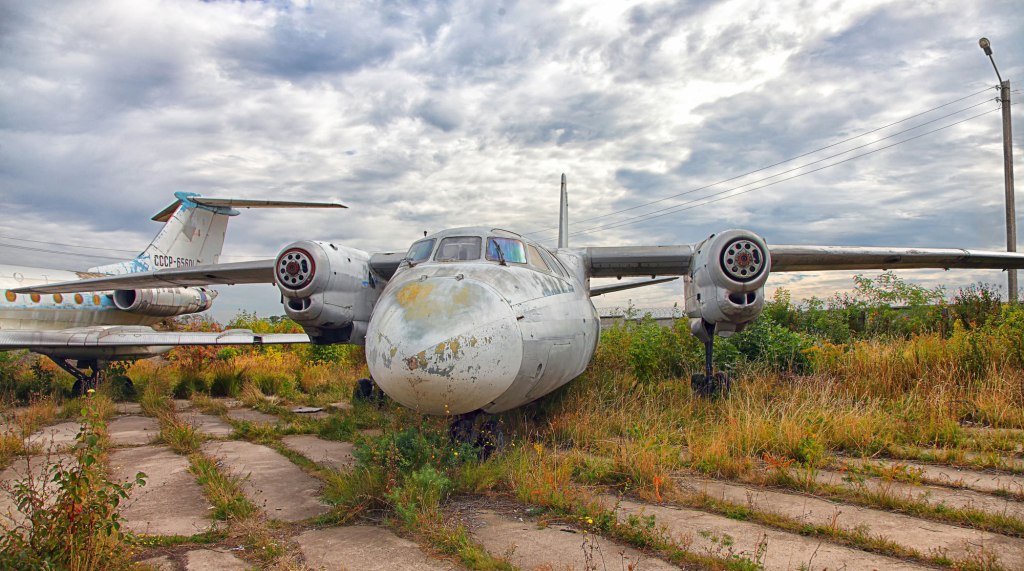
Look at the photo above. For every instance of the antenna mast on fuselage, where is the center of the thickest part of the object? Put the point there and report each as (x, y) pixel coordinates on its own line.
(563, 217)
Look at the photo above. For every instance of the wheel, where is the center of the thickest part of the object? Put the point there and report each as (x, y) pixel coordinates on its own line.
(77, 389)
(463, 430)
(721, 384)
(363, 390)
(700, 385)
(491, 438)
(367, 391)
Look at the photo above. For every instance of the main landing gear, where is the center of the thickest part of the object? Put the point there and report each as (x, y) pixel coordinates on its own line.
(487, 435)
(710, 384)
(83, 381)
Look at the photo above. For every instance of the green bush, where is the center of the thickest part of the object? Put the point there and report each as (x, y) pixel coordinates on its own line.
(226, 383)
(188, 384)
(770, 344)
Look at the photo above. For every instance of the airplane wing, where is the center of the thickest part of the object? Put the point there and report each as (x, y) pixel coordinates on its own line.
(133, 336)
(676, 260)
(808, 258)
(254, 272)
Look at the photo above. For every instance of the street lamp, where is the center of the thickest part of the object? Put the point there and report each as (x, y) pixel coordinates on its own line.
(1011, 216)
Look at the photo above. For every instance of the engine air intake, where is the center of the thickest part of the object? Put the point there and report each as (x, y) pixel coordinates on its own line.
(295, 268)
(743, 260)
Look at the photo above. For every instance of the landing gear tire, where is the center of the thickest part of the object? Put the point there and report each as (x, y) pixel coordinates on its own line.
(463, 430)
(367, 391)
(716, 385)
(491, 438)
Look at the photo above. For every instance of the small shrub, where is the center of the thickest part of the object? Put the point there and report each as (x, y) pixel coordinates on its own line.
(78, 526)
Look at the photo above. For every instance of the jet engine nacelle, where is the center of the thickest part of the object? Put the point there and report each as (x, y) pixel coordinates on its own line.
(725, 288)
(164, 302)
(328, 289)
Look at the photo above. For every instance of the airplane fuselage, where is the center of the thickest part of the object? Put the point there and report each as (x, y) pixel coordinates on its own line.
(450, 336)
(42, 312)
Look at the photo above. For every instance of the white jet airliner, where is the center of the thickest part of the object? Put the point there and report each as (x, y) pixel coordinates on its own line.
(85, 330)
(480, 319)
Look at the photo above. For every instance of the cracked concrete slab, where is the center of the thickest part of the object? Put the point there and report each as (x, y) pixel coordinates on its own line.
(132, 430)
(978, 480)
(251, 415)
(523, 544)
(957, 498)
(926, 537)
(270, 480)
(365, 548)
(337, 455)
(128, 408)
(171, 502)
(213, 560)
(209, 425)
(719, 536)
(57, 436)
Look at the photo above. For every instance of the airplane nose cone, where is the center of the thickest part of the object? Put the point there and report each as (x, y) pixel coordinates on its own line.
(444, 345)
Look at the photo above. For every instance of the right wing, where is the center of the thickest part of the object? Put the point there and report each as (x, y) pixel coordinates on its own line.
(620, 261)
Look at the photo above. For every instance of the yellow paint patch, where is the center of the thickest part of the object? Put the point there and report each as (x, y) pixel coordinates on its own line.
(58, 298)
(79, 299)
(413, 293)
(35, 297)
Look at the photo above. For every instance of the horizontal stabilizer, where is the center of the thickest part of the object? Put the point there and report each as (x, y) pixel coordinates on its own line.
(165, 214)
(603, 289)
(243, 203)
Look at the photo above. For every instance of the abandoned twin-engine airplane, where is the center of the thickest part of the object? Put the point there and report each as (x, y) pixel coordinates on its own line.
(467, 320)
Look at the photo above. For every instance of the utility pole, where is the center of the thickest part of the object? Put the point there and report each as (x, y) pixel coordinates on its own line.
(1011, 215)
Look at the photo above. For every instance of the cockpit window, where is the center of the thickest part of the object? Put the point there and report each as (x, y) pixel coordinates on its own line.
(458, 248)
(508, 250)
(420, 251)
(536, 259)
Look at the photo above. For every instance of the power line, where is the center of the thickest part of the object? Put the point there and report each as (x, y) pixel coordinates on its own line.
(705, 187)
(31, 249)
(690, 204)
(105, 249)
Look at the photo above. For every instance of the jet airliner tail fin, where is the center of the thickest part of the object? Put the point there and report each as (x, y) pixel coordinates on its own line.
(193, 232)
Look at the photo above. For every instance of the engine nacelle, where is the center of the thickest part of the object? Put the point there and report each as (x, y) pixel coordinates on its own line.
(328, 289)
(725, 288)
(165, 301)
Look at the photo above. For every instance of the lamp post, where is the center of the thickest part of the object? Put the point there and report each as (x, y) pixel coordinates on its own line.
(1011, 216)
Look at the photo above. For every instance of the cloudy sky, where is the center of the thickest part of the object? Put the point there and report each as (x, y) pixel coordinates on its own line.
(853, 123)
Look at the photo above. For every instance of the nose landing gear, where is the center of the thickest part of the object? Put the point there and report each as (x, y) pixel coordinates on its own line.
(710, 384)
(487, 435)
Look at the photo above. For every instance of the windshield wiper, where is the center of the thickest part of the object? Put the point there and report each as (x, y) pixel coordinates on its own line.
(501, 256)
